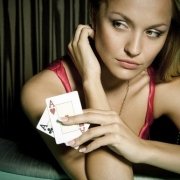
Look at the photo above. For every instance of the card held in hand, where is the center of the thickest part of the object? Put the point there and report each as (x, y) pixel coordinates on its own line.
(67, 104)
(44, 124)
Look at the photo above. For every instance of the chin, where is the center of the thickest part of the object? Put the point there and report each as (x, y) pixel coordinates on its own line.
(126, 74)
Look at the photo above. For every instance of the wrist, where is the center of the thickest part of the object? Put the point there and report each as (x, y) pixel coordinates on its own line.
(95, 95)
(147, 154)
(91, 79)
(92, 83)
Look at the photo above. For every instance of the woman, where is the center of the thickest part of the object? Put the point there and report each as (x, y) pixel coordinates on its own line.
(123, 66)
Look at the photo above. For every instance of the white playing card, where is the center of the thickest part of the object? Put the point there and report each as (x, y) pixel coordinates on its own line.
(44, 124)
(67, 104)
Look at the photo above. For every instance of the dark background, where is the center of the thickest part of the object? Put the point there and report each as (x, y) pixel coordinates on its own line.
(32, 34)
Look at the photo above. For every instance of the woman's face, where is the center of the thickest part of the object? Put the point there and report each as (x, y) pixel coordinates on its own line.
(130, 33)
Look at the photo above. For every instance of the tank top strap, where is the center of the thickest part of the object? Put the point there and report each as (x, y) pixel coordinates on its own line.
(144, 132)
(58, 67)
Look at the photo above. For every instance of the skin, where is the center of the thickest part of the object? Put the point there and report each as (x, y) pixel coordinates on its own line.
(123, 30)
(131, 38)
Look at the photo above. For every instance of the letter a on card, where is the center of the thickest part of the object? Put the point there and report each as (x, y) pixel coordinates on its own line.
(51, 107)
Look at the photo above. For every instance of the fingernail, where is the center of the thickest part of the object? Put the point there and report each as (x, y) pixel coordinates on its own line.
(82, 149)
(77, 147)
(70, 143)
(64, 119)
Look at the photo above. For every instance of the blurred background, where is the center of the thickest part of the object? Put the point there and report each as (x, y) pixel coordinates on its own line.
(32, 34)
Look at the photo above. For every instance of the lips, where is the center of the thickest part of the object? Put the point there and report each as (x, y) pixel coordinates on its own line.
(127, 64)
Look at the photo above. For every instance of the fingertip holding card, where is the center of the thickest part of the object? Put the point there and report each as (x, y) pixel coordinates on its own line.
(77, 147)
(65, 118)
(69, 144)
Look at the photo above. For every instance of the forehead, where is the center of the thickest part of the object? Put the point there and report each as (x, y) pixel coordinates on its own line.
(142, 10)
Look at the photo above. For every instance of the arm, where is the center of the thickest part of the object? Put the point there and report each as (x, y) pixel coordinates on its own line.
(105, 162)
(34, 93)
(120, 139)
(108, 164)
(163, 155)
(88, 66)
(124, 142)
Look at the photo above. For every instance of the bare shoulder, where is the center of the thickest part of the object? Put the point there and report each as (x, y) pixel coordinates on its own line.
(36, 90)
(167, 100)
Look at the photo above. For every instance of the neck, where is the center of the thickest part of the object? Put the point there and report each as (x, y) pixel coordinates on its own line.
(109, 81)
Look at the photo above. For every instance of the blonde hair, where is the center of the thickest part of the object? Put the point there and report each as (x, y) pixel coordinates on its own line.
(167, 62)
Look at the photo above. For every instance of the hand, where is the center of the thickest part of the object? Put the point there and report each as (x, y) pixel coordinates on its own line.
(110, 131)
(82, 53)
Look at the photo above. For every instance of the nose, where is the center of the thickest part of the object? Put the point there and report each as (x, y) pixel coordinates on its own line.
(133, 45)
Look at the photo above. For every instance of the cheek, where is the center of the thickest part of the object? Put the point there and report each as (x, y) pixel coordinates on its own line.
(105, 41)
(153, 50)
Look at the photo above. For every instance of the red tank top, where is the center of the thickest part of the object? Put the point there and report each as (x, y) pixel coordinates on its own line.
(58, 68)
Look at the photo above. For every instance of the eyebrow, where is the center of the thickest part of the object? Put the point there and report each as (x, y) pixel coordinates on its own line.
(131, 22)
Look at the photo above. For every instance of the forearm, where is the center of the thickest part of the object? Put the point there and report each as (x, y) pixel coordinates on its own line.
(104, 164)
(162, 155)
(95, 95)
(108, 164)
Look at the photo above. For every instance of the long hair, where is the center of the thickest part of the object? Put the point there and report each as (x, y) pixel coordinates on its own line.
(167, 63)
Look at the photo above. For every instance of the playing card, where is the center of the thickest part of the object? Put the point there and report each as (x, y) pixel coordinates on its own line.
(67, 104)
(44, 124)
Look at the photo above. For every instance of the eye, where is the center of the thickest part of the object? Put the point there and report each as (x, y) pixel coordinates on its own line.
(153, 33)
(119, 24)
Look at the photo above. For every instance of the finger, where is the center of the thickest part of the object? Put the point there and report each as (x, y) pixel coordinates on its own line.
(99, 111)
(71, 51)
(73, 42)
(80, 29)
(85, 33)
(90, 134)
(97, 143)
(74, 46)
(81, 43)
(100, 118)
(84, 42)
